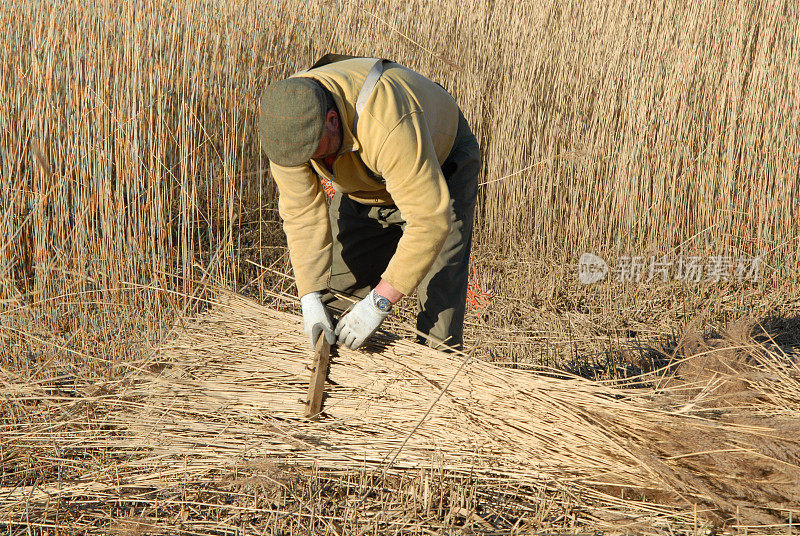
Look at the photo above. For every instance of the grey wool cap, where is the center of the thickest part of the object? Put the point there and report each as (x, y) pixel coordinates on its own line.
(292, 120)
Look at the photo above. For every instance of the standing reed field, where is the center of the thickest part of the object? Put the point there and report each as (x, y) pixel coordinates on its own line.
(130, 156)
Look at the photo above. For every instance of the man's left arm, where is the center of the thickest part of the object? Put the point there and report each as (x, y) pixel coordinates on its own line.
(408, 162)
(409, 165)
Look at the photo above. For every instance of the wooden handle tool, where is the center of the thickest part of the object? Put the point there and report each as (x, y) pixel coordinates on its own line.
(319, 374)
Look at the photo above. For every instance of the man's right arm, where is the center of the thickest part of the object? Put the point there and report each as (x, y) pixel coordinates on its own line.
(302, 207)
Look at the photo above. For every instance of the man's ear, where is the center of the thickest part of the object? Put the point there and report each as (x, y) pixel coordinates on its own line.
(332, 119)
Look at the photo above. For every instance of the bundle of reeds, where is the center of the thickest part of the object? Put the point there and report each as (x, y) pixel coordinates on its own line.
(720, 437)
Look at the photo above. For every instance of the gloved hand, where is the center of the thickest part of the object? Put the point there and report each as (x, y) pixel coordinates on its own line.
(361, 322)
(316, 318)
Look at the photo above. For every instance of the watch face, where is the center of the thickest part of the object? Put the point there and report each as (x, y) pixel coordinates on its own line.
(383, 304)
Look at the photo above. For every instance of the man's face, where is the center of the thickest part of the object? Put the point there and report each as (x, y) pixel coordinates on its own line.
(331, 139)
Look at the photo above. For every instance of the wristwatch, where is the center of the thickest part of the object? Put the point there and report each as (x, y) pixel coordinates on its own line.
(382, 304)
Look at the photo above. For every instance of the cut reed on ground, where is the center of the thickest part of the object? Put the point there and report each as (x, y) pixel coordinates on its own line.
(718, 438)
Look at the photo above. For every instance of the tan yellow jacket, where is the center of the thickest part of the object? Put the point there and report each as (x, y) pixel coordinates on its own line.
(403, 135)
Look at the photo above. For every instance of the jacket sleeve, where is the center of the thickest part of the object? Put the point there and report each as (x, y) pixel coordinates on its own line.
(408, 163)
(301, 204)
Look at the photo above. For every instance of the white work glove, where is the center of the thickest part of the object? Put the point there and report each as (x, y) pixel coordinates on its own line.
(316, 319)
(361, 322)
